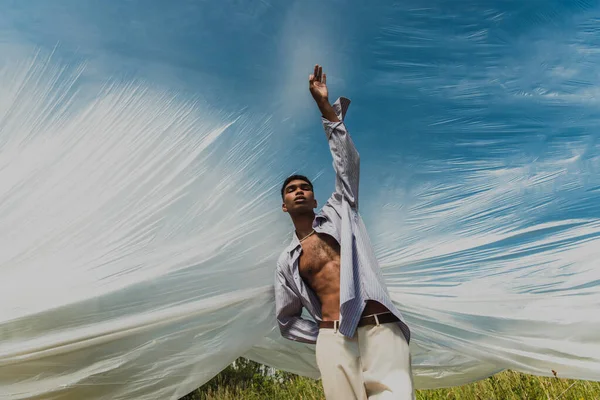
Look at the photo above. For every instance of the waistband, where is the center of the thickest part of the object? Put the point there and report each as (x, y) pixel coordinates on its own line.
(375, 319)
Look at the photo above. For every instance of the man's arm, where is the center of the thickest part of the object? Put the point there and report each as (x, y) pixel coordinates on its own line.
(289, 310)
(346, 160)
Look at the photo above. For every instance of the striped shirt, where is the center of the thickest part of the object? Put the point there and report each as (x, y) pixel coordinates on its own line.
(360, 275)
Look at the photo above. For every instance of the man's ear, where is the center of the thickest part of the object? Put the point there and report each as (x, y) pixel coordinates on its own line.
(283, 208)
(315, 205)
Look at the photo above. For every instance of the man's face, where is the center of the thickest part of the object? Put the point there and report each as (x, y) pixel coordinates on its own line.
(298, 197)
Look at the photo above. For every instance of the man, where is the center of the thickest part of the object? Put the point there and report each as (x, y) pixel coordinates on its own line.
(330, 269)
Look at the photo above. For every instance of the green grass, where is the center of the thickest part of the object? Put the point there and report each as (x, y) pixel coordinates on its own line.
(248, 382)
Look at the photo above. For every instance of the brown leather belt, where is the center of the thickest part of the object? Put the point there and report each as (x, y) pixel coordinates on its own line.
(385, 318)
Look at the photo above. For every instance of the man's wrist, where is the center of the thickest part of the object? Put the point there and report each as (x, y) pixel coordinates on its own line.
(327, 110)
(323, 102)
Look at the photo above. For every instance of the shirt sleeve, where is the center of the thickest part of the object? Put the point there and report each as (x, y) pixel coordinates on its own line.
(289, 310)
(346, 160)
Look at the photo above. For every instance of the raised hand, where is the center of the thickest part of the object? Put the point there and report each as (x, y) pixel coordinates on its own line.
(318, 85)
(317, 82)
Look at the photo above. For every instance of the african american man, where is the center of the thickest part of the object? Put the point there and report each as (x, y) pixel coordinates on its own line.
(330, 269)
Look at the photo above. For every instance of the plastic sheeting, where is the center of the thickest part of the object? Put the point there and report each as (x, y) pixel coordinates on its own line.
(140, 162)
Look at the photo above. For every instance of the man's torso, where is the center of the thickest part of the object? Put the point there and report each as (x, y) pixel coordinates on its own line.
(319, 267)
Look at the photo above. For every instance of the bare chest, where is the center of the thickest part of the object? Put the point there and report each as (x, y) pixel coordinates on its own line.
(317, 251)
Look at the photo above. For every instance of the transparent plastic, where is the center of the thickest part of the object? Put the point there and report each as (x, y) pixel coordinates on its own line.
(141, 160)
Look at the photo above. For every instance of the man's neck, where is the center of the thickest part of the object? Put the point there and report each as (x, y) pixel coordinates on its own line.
(303, 224)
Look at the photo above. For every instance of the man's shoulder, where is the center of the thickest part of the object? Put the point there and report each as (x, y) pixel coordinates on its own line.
(332, 205)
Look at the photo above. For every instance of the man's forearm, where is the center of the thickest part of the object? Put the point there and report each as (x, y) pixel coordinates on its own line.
(327, 110)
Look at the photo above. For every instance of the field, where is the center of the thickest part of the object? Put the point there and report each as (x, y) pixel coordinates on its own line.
(247, 381)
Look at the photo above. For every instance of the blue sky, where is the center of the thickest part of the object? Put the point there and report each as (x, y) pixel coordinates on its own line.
(459, 109)
(470, 118)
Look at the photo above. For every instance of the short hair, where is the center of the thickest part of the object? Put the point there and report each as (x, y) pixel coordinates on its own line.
(293, 178)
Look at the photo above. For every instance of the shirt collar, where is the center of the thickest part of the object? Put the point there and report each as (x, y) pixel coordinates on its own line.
(294, 243)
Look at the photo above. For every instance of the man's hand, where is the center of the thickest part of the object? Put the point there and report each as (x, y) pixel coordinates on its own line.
(318, 88)
(318, 85)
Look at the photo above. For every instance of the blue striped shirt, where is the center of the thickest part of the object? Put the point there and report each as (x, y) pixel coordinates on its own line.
(360, 275)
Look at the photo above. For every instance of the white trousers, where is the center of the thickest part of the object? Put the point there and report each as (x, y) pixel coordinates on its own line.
(375, 364)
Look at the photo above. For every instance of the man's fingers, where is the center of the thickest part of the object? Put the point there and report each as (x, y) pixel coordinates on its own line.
(318, 75)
